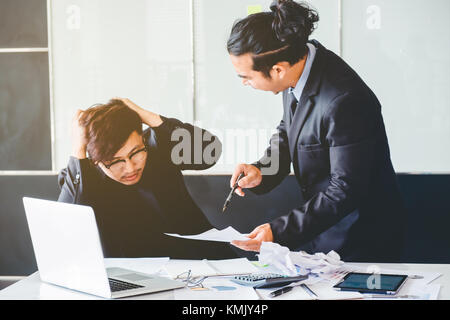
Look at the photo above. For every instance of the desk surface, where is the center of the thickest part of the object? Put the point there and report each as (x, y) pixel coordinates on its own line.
(32, 288)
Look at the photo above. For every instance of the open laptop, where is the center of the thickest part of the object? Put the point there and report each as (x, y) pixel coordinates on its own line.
(68, 252)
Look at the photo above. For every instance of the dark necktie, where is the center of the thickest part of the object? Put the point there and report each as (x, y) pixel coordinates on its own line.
(293, 104)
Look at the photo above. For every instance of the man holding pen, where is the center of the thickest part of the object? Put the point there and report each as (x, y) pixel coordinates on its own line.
(332, 133)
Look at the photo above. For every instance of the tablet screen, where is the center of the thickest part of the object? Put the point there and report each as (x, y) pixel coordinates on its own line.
(372, 282)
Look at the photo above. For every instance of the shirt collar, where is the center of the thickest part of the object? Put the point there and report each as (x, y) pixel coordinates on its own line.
(298, 90)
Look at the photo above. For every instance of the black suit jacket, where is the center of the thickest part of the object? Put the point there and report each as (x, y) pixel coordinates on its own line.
(337, 143)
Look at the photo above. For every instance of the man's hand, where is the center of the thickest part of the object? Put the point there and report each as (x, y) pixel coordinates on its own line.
(149, 118)
(79, 140)
(252, 177)
(262, 233)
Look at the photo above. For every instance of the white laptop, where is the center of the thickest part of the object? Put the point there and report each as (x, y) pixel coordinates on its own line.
(68, 252)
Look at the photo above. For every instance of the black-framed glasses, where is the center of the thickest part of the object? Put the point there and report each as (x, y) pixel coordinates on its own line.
(137, 156)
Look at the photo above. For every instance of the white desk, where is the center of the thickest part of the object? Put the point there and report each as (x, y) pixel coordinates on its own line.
(31, 288)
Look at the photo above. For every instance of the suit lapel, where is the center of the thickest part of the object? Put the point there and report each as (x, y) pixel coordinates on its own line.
(306, 103)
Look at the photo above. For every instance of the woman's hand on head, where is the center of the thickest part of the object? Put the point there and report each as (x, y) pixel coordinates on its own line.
(149, 118)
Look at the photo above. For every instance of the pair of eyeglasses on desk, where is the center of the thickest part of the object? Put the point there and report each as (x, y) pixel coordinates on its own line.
(191, 282)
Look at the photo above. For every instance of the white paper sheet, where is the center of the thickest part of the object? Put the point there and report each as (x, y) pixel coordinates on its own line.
(412, 291)
(226, 235)
(210, 267)
(286, 261)
(144, 265)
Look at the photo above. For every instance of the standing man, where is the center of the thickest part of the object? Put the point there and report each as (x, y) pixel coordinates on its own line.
(333, 134)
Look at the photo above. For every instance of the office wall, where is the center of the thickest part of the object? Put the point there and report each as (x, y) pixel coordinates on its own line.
(244, 118)
(113, 48)
(170, 57)
(401, 49)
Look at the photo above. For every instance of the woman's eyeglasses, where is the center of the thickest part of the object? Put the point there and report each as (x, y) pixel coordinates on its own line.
(118, 166)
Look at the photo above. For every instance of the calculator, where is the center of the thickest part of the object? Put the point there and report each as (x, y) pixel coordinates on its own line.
(266, 280)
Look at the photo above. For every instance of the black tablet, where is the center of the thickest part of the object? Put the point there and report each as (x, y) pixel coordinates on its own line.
(371, 283)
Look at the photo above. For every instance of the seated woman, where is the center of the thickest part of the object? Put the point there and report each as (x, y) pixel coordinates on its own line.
(132, 179)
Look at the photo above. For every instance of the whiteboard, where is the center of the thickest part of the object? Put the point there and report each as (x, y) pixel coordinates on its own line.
(244, 118)
(170, 57)
(401, 49)
(101, 49)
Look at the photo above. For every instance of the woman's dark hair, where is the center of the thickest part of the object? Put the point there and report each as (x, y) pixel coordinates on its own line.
(108, 127)
(271, 37)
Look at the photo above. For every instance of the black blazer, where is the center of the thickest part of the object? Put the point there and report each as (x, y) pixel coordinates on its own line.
(337, 143)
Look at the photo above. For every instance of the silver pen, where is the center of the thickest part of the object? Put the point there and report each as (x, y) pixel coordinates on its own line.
(309, 291)
(289, 287)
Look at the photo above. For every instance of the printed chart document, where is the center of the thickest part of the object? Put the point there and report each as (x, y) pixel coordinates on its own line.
(217, 289)
(226, 235)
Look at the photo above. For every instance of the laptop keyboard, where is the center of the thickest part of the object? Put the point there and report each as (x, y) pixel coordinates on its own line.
(117, 285)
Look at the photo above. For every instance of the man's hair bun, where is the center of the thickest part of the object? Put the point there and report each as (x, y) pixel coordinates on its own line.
(293, 21)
